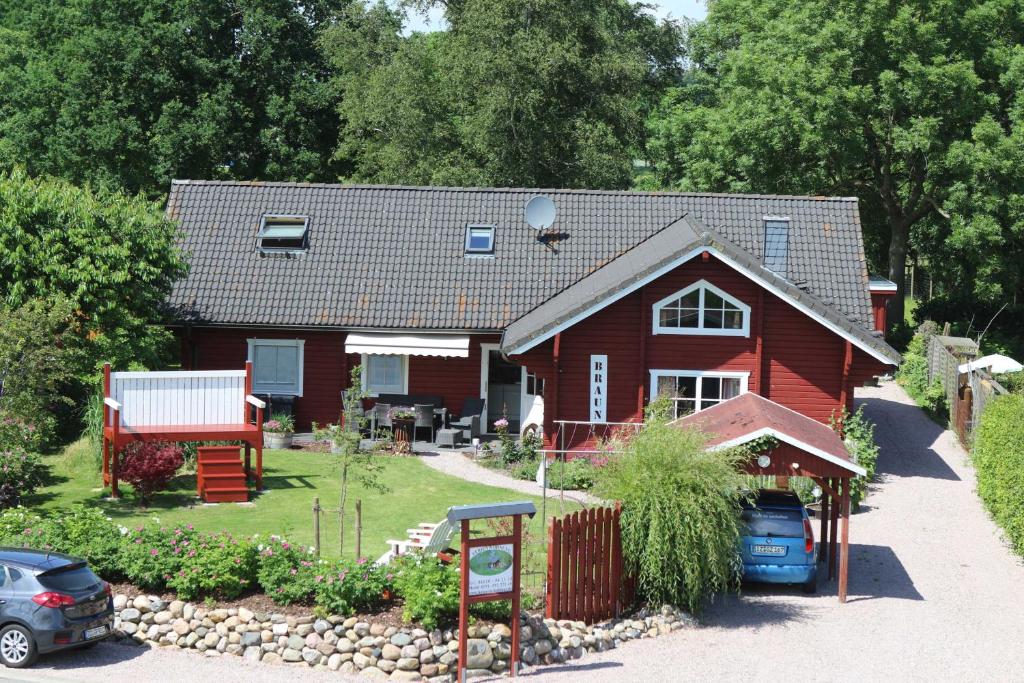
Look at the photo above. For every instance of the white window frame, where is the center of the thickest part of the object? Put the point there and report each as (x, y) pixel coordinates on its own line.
(375, 392)
(489, 250)
(285, 217)
(744, 378)
(300, 344)
(703, 286)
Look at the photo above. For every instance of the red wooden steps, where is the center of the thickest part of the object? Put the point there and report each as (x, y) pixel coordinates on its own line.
(220, 477)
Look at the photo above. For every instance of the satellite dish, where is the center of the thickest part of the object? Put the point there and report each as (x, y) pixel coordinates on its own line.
(540, 212)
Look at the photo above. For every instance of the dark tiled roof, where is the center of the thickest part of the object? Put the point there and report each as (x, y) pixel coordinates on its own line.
(392, 257)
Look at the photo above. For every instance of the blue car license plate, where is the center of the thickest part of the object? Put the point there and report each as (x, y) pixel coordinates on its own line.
(768, 549)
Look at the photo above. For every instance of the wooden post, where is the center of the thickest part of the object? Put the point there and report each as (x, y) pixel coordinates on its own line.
(554, 569)
(517, 552)
(833, 533)
(359, 528)
(248, 468)
(460, 674)
(555, 372)
(844, 552)
(823, 533)
(645, 324)
(316, 525)
(759, 386)
(106, 422)
(114, 456)
(616, 545)
(845, 395)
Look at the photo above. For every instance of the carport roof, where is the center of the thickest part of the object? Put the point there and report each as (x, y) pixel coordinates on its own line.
(750, 416)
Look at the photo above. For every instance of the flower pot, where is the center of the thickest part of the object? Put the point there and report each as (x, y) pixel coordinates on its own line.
(277, 440)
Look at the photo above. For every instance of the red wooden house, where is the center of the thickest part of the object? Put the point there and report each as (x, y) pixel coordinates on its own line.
(448, 292)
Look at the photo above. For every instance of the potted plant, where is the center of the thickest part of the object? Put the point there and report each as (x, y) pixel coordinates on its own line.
(402, 422)
(278, 431)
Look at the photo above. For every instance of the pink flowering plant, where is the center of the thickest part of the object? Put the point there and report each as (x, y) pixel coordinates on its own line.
(280, 423)
(21, 473)
(286, 571)
(213, 565)
(19, 433)
(346, 587)
(151, 554)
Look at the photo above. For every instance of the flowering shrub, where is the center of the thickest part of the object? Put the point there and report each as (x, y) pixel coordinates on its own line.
(150, 555)
(280, 423)
(16, 433)
(13, 525)
(150, 466)
(21, 473)
(213, 565)
(348, 587)
(286, 572)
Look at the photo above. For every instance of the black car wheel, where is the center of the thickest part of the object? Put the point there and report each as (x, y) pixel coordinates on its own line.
(17, 647)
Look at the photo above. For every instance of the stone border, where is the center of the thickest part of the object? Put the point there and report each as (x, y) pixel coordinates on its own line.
(373, 650)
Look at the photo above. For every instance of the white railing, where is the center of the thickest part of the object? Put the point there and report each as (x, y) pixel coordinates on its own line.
(197, 397)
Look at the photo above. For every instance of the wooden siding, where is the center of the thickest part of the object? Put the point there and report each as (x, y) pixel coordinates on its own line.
(326, 367)
(790, 358)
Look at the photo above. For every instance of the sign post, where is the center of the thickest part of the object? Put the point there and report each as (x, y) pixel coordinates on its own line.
(490, 569)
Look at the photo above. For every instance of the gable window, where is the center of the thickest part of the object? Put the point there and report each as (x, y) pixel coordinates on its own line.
(283, 234)
(693, 390)
(385, 374)
(276, 366)
(701, 308)
(479, 240)
(776, 244)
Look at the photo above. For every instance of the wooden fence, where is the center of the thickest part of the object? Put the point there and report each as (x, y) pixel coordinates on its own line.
(585, 579)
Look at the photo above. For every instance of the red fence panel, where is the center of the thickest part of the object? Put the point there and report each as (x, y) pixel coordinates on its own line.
(585, 578)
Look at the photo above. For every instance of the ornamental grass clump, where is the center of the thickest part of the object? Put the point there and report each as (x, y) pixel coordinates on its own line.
(680, 514)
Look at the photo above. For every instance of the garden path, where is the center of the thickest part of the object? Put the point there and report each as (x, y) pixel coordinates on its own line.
(934, 595)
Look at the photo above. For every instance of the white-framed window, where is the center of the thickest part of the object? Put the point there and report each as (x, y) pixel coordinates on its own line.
(277, 366)
(695, 390)
(479, 240)
(385, 374)
(703, 309)
(285, 234)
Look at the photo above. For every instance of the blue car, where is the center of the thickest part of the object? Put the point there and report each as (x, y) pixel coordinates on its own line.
(778, 545)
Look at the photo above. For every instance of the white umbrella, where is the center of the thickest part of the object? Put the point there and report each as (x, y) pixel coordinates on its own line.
(997, 364)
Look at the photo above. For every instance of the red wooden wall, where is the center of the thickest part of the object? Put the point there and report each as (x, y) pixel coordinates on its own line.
(791, 358)
(326, 367)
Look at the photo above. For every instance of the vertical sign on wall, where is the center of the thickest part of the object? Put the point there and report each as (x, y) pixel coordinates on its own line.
(598, 388)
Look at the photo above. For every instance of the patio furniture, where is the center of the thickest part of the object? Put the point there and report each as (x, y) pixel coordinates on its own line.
(424, 419)
(430, 539)
(449, 438)
(469, 421)
(381, 416)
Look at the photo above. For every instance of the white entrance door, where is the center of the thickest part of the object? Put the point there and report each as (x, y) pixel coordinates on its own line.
(532, 410)
(501, 389)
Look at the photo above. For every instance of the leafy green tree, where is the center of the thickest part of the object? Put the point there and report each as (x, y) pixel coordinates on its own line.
(864, 97)
(111, 257)
(129, 94)
(539, 93)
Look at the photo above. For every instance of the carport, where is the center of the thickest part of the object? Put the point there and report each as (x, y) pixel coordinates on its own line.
(800, 447)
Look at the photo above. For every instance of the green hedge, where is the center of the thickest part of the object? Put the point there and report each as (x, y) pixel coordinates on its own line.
(999, 461)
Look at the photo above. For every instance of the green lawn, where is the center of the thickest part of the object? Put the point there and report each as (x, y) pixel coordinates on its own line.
(292, 479)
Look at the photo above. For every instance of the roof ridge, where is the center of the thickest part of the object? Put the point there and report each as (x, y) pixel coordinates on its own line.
(516, 190)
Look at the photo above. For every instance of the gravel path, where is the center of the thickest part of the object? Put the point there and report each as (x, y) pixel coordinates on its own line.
(934, 595)
(456, 464)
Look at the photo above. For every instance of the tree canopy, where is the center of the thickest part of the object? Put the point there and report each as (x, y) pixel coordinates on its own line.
(906, 105)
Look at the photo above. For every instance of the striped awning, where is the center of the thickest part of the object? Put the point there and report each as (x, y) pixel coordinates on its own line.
(382, 343)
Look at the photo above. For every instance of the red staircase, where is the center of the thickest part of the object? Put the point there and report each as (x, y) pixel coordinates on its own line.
(220, 477)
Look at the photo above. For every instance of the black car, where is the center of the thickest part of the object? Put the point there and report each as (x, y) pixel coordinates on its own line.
(48, 602)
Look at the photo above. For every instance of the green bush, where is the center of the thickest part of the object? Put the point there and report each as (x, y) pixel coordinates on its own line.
(574, 475)
(90, 534)
(217, 565)
(999, 461)
(859, 435)
(429, 589)
(21, 473)
(346, 587)
(286, 572)
(913, 376)
(680, 514)
(151, 555)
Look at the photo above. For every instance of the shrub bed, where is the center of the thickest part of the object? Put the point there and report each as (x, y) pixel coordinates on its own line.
(913, 376)
(999, 461)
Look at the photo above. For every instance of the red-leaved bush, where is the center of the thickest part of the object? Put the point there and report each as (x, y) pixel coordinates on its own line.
(149, 466)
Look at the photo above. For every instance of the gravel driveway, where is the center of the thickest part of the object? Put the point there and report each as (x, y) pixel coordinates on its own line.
(934, 595)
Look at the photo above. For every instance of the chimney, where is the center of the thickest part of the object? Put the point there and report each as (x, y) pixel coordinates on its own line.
(776, 244)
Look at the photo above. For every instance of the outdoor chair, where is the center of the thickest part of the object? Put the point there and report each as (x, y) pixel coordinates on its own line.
(424, 413)
(433, 540)
(469, 421)
(382, 416)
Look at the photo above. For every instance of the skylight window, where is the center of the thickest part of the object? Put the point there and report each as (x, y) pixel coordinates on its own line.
(479, 240)
(283, 234)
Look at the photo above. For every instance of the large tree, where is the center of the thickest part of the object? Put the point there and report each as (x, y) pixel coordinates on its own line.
(131, 93)
(866, 97)
(514, 92)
